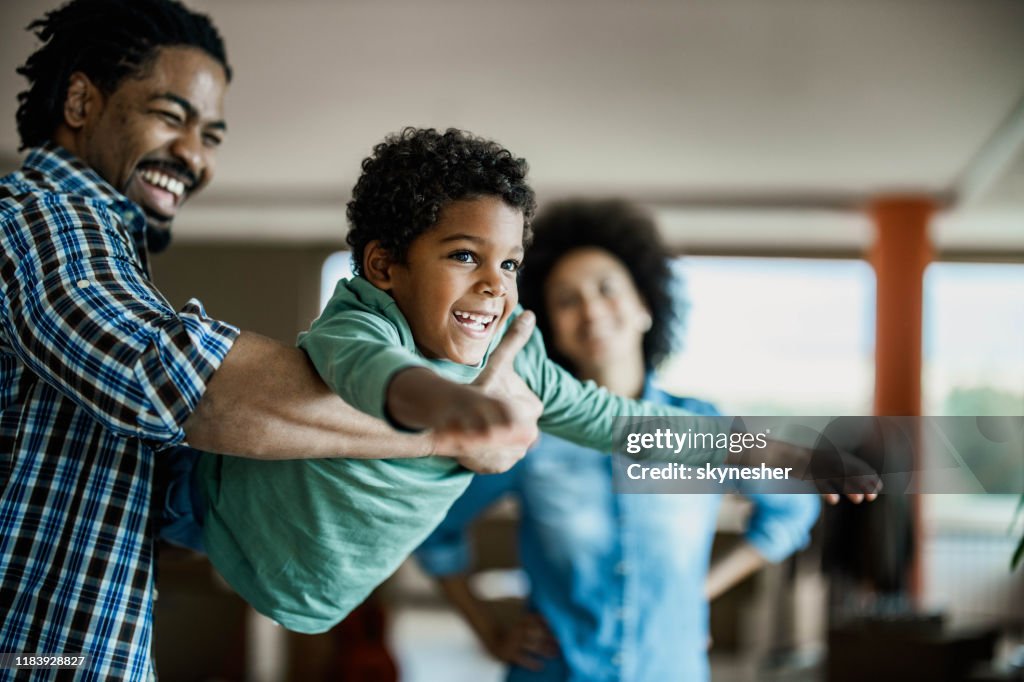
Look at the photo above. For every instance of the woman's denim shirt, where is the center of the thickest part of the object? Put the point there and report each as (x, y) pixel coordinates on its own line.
(618, 578)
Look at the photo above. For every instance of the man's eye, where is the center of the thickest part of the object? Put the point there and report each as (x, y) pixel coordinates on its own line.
(463, 257)
(171, 117)
(211, 140)
(510, 265)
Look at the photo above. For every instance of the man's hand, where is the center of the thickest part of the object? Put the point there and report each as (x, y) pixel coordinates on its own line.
(490, 424)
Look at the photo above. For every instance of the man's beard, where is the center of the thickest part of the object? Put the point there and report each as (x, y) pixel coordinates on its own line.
(157, 238)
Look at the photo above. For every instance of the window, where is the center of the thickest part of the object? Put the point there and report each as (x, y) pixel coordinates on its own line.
(974, 339)
(337, 266)
(777, 336)
(974, 365)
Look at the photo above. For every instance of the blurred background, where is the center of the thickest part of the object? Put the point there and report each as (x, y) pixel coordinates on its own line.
(843, 182)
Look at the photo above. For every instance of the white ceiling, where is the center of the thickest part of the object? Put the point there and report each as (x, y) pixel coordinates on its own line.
(742, 122)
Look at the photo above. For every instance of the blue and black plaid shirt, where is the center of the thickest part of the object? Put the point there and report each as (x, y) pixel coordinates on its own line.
(97, 372)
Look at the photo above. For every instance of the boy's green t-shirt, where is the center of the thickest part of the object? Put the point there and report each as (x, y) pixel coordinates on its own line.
(306, 541)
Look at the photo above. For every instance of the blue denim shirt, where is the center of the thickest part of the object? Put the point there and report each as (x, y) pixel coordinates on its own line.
(618, 578)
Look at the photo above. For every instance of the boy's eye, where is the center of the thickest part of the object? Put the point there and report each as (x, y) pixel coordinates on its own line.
(510, 265)
(463, 257)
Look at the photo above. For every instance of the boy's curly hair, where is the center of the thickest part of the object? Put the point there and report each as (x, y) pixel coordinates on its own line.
(414, 174)
(630, 235)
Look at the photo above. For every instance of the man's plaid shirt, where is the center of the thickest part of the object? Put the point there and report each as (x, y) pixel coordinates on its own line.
(97, 372)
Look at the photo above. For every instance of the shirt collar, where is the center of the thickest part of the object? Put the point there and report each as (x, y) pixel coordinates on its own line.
(649, 392)
(70, 174)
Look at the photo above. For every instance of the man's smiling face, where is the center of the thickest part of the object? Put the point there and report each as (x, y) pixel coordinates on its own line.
(155, 137)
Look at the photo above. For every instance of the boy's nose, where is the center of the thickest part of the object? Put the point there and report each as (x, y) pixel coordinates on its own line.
(495, 289)
(493, 284)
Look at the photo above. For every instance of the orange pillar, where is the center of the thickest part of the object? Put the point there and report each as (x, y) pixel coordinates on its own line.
(900, 255)
(901, 252)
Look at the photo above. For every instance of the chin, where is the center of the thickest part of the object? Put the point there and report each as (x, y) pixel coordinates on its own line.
(467, 358)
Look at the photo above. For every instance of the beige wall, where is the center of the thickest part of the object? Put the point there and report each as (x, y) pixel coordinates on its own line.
(270, 289)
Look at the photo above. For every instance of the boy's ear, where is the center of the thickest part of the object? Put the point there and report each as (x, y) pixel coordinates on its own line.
(377, 264)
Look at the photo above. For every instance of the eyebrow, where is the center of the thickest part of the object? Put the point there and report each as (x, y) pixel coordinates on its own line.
(190, 111)
(467, 237)
(476, 240)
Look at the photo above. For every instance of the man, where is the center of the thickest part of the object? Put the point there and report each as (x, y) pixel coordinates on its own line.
(98, 374)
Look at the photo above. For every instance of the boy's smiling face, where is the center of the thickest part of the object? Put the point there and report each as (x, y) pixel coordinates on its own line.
(457, 286)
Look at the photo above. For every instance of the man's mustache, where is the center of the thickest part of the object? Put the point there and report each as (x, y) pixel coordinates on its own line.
(175, 168)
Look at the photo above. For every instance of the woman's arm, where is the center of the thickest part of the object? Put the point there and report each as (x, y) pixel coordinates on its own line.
(524, 644)
(730, 569)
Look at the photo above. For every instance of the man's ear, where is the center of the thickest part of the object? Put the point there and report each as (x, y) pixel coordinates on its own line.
(377, 264)
(82, 100)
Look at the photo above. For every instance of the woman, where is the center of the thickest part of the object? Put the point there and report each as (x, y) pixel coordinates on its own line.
(618, 583)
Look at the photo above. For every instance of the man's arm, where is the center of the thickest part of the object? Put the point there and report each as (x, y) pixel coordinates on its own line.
(267, 401)
(78, 310)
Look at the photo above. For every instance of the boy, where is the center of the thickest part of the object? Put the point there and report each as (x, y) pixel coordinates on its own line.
(439, 225)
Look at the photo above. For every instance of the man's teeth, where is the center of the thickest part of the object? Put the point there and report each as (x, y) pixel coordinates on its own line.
(474, 321)
(172, 185)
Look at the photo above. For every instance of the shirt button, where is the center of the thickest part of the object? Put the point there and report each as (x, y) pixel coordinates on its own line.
(617, 660)
(620, 614)
(621, 568)
(83, 284)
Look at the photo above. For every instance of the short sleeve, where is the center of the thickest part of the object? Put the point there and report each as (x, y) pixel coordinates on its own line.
(357, 353)
(780, 524)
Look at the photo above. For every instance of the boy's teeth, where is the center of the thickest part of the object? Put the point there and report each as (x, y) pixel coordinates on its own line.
(481, 319)
(474, 321)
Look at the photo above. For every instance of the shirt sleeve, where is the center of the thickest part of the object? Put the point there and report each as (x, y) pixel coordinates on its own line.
(447, 551)
(583, 413)
(357, 353)
(780, 524)
(79, 311)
